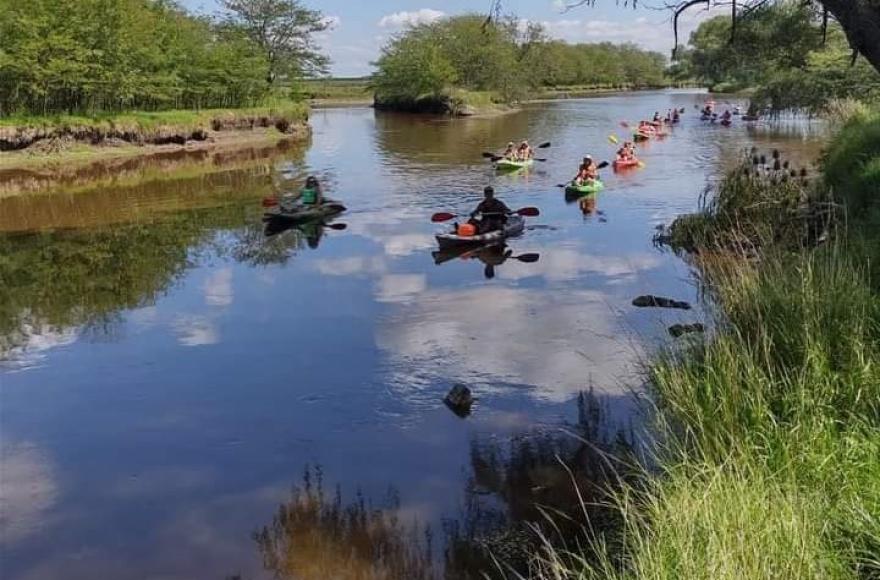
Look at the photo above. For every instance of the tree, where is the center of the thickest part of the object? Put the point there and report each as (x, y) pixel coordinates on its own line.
(284, 30)
(859, 19)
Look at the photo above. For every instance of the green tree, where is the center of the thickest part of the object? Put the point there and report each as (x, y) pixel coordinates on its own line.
(284, 30)
(411, 68)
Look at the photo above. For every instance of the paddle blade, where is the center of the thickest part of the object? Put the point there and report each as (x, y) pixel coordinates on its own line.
(442, 217)
(602, 165)
(336, 207)
(528, 258)
(488, 155)
(538, 159)
(624, 124)
(613, 139)
(641, 164)
(544, 145)
(337, 227)
(269, 202)
(528, 211)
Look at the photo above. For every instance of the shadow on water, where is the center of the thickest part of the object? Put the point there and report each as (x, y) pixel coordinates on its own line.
(548, 485)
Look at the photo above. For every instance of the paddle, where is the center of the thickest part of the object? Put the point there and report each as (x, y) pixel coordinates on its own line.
(613, 139)
(337, 227)
(444, 216)
(526, 258)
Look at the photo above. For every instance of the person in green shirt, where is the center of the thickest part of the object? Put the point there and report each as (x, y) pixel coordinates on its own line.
(311, 193)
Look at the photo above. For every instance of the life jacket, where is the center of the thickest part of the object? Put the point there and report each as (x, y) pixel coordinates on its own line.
(309, 196)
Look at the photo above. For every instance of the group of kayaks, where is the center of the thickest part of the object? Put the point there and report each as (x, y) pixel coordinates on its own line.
(276, 212)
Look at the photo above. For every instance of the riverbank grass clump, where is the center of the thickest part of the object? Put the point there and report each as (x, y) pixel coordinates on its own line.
(769, 465)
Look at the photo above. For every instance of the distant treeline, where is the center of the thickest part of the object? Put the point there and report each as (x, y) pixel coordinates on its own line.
(111, 55)
(508, 58)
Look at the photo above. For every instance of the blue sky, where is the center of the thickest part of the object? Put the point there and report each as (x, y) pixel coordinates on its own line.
(361, 27)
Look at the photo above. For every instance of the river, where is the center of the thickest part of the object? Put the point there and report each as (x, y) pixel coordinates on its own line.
(182, 397)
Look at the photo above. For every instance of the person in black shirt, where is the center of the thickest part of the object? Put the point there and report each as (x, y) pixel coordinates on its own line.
(493, 213)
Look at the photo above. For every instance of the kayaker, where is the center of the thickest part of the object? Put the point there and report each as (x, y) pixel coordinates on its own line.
(676, 116)
(493, 213)
(510, 152)
(311, 193)
(524, 153)
(657, 118)
(587, 171)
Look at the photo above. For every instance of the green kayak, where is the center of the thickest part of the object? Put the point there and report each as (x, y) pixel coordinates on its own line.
(511, 165)
(593, 186)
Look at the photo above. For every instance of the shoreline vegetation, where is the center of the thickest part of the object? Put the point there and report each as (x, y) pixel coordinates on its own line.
(770, 425)
(462, 65)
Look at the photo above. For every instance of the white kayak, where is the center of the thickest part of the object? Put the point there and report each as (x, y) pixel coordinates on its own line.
(514, 226)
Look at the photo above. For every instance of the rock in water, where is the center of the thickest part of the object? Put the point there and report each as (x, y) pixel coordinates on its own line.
(649, 301)
(459, 400)
(677, 330)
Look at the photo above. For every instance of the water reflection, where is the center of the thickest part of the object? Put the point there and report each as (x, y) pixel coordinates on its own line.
(126, 190)
(314, 535)
(165, 333)
(542, 486)
(444, 142)
(491, 256)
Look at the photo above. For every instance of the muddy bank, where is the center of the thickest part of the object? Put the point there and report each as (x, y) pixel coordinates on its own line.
(158, 131)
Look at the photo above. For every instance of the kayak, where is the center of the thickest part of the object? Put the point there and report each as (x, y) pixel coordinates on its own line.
(593, 186)
(304, 213)
(619, 164)
(510, 164)
(514, 226)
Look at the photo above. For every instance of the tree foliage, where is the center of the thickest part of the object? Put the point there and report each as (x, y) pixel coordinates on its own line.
(784, 53)
(85, 56)
(283, 29)
(508, 58)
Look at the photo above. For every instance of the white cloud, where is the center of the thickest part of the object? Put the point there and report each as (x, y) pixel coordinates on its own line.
(27, 490)
(488, 336)
(400, 287)
(563, 264)
(32, 342)
(653, 33)
(196, 331)
(414, 18)
(218, 288)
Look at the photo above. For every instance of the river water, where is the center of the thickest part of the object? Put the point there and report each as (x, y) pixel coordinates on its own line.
(183, 397)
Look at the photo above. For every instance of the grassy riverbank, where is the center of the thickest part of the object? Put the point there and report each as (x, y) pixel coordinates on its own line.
(32, 143)
(769, 467)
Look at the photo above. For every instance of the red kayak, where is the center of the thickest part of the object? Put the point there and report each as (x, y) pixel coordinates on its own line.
(625, 163)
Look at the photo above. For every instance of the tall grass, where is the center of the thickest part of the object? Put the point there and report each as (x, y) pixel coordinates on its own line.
(769, 465)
